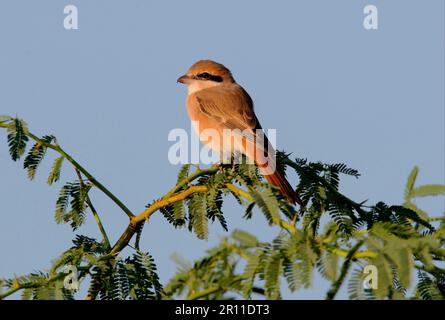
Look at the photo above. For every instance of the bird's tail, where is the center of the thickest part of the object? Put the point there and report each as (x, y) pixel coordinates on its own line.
(261, 151)
(277, 179)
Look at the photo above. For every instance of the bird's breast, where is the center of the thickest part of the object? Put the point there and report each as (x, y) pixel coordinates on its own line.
(196, 115)
(209, 130)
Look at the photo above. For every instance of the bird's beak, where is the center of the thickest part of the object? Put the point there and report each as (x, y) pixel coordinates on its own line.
(183, 79)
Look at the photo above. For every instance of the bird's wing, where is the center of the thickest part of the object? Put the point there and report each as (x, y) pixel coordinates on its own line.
(232, 107)
(229, 105)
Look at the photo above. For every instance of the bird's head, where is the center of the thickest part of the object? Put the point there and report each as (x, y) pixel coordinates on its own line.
(205, 74)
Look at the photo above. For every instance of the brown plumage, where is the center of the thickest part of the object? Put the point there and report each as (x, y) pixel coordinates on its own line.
(215, 101)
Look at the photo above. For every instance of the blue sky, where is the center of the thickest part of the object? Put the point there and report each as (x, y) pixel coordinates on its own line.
(334, 91)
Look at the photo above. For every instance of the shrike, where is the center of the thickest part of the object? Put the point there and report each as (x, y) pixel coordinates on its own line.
(216, 102)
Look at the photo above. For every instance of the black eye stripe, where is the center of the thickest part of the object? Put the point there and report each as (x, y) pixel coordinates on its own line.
(208, 76)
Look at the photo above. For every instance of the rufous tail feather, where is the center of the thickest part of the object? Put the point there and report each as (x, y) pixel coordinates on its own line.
(278, 180)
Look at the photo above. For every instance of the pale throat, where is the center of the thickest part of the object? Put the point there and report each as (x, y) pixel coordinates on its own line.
(198, 85)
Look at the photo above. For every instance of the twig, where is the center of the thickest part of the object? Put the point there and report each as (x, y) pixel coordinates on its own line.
(94, 211)
(344, 271)
(213, 289)
(90, 177)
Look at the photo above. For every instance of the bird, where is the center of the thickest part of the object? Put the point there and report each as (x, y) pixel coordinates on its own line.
(215, 101)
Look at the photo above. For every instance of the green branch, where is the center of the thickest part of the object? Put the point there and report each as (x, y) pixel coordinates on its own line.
(95, 214)
(214, 289)
(198, 173)
(98, 222)
(131, 229)
(88, 175)
(96, 183)
(344, 271)
(17, 286)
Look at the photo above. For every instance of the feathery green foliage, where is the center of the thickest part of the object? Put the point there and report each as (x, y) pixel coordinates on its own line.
(71, 204)
(54, 175)
(17, 137)
(331, 235)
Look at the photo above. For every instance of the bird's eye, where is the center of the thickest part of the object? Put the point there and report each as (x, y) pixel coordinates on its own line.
(204, 75)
